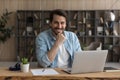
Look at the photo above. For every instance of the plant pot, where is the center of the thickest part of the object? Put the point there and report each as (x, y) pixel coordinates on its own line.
(25, 67)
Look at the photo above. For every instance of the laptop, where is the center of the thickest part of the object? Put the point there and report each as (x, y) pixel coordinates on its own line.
(88, 61)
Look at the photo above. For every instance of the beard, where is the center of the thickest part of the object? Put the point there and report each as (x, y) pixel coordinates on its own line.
(56, 31)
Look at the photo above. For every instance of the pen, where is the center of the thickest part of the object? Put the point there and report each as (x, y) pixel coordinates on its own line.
(43, 70)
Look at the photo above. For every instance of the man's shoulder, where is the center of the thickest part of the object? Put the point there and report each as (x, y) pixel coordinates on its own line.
(69, 33)
(44, 34)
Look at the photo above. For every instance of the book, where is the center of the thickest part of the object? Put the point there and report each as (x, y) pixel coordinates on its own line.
(19, 17)
(107, 32)
(23, 33)
(75, 16)
(101, 19)
(84, 21)
(111, 69)
(35, 15)
(115, 33)
(107, 24)
(35, 32)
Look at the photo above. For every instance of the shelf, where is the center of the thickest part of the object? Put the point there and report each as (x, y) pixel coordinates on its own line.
(84, 23)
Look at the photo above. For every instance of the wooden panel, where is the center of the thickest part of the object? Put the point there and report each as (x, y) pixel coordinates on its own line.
(63, 4)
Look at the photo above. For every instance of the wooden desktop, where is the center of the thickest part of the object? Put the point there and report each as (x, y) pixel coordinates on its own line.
(5, 74)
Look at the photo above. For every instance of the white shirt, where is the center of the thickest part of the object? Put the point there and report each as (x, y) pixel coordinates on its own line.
(112, 16)
(63, 57)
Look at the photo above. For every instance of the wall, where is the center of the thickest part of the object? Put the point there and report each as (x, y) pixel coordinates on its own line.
(7, 50)
(64, 4)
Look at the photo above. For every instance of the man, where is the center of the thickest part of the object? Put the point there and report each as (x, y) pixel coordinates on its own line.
(56, 47)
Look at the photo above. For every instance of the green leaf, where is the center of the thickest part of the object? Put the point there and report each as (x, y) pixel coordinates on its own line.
(5, 31)
(24, 60)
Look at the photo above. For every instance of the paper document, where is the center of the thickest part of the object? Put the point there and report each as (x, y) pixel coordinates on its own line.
(45, 72)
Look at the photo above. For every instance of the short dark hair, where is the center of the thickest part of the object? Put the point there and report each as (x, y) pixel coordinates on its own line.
(58, 12)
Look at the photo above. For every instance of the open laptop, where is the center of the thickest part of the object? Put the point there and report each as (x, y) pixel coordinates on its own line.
(88, 61)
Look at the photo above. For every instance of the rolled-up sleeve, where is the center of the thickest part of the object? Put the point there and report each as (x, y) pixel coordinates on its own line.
(41, 51)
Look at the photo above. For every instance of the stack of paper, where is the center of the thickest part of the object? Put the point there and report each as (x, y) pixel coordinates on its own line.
(44, 72)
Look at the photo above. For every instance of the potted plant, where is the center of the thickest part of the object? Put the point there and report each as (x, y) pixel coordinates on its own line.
(5, 31)
(25, 65)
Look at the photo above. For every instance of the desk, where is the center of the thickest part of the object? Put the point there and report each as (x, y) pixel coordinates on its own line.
(5, 74)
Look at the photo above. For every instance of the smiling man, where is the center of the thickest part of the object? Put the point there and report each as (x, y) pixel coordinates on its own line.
(55, 47)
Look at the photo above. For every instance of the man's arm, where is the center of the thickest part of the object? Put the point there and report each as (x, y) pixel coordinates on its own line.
(60, 38)
(44, 56)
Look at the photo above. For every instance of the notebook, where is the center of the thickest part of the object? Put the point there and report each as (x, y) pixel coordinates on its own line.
(88, 61)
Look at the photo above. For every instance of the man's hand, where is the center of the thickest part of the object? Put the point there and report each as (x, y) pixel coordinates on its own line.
(60, 38)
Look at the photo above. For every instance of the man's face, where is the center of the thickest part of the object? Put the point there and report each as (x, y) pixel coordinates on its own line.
(58, 24)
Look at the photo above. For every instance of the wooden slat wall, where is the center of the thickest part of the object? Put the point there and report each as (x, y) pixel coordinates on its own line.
(64, 4)
(7, 50)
